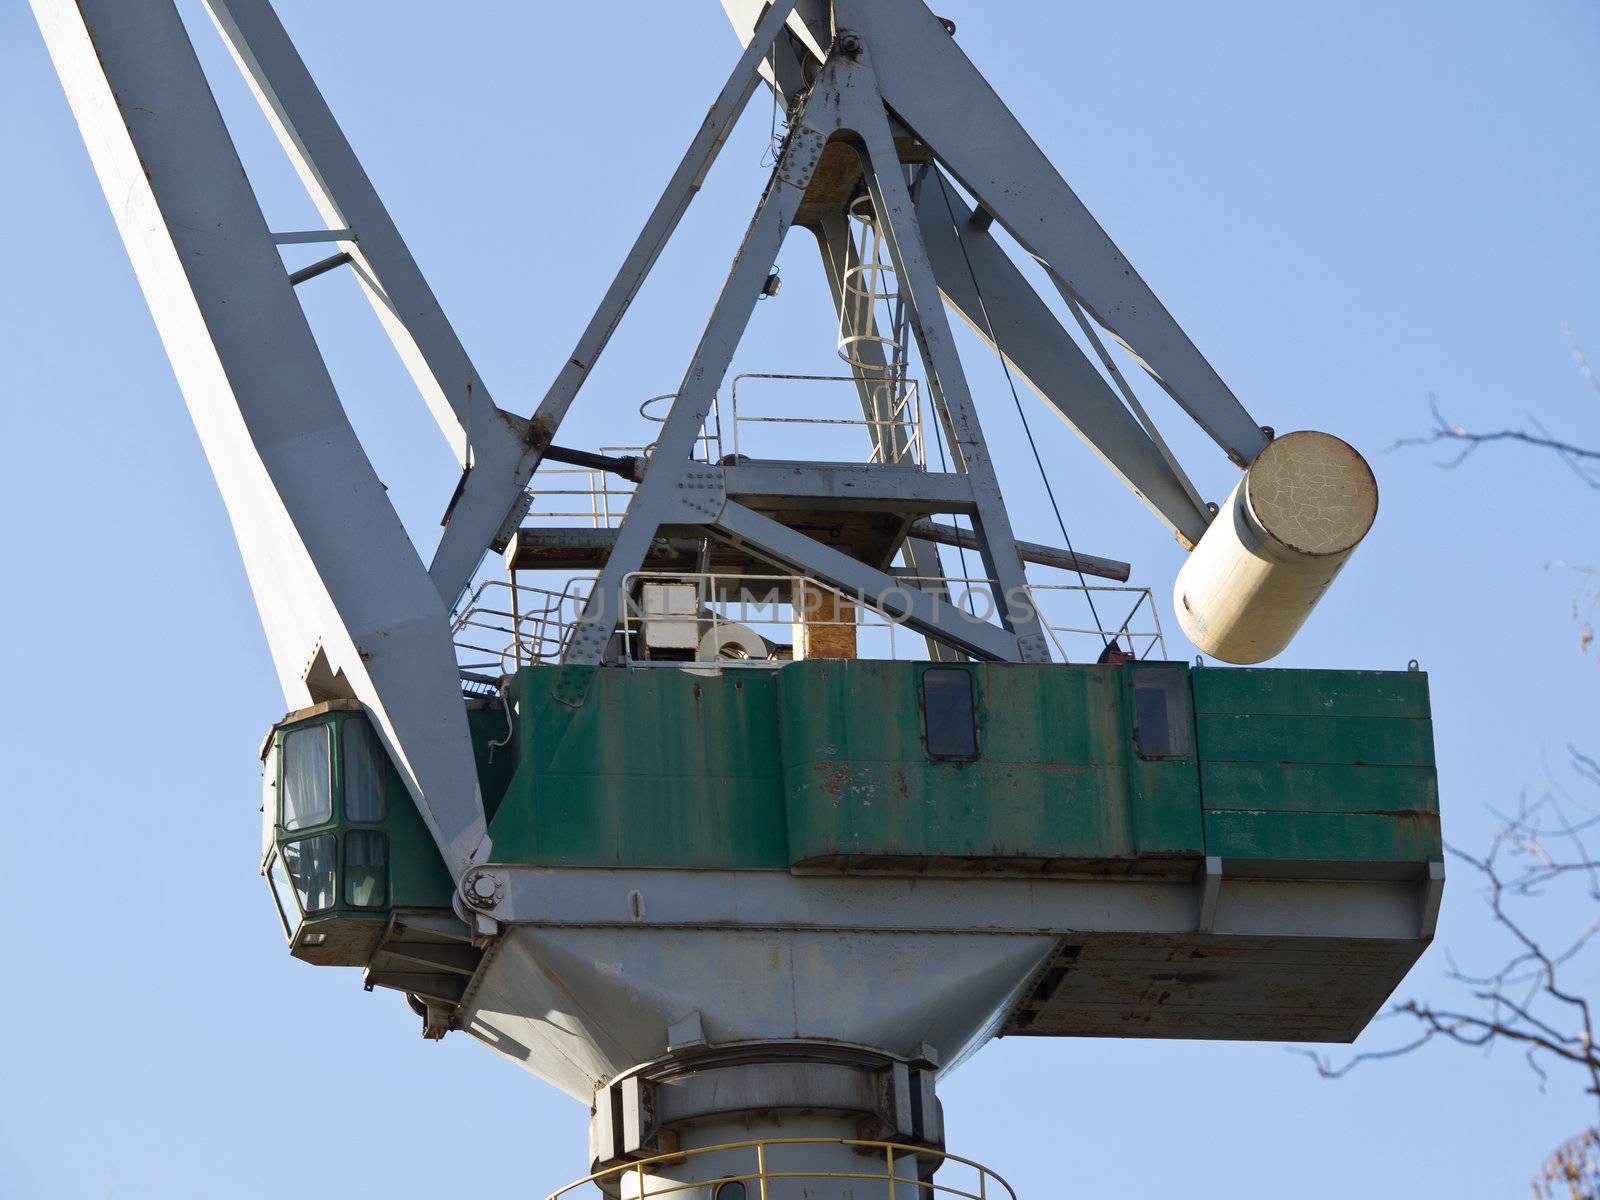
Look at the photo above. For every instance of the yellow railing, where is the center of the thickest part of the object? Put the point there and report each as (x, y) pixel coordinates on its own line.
(885, 1159)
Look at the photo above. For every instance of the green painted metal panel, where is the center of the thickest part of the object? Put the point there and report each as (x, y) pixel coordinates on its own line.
(418, 877)
(1055, 777)
(1267, 690)
(1323, 837)
(1165, 792)
(1330, 766)
(825, 763)
(657, 767)
(1319, 787)
(496, 764)
(1249, 737)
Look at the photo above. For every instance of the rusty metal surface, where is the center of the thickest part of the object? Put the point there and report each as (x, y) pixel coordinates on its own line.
(1240, 988)
(868, 536)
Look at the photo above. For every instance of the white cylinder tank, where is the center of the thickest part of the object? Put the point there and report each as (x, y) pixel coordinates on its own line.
(1285, 531)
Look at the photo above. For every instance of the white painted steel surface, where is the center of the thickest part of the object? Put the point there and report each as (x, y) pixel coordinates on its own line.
(576, 1006)
(338, 583)
(1286, 531)
(394, 285)
(593, 964)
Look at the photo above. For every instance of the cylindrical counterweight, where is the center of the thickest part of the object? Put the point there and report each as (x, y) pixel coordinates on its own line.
(1285, 531)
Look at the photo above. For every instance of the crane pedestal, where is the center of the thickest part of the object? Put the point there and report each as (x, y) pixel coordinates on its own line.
(785, 1118)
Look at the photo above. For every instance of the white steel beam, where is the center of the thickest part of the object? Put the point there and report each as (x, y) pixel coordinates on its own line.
(937, 92)
(862, 111)
(656, 496)
(658, 228)
(979, 280)
(338, 583)
(495, 462)
(810, 24)
(854, 485)
(600, 897)
(844, 100)
(919, 610)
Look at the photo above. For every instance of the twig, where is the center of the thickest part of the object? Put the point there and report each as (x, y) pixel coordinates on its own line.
(1470, 441)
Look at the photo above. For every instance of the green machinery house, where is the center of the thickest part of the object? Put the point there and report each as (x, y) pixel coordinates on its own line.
(1132, 771)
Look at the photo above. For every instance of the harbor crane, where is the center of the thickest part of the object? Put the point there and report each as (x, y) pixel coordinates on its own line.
(732, 798)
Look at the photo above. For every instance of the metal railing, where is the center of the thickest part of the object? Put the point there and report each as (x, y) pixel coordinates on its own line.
(504, 626)
(1139, 629)
(745, 620)
(708, 443)
(881, 1162)
(579, 493)
(600, 498)
(896, 432)
(777, 609)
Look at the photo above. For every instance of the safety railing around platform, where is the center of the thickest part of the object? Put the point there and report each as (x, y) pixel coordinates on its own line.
(891, 407)
(766, 620)
(771, 1166)
(598, 499)
(582, 494)
(744, 620)
(503, 626)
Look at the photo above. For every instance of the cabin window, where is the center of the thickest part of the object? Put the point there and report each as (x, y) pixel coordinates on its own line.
(307, 793)
(364, 760)
(1160, 713)
(283, 896)
(310, 862)
(949, 713)
(366, 869)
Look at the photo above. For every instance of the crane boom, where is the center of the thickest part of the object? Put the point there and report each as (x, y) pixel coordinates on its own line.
(348, 607)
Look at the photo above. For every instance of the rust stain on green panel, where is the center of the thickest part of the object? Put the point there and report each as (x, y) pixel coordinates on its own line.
(1324, 837)
(1051, 779)
(825, 763)
(1318, 787)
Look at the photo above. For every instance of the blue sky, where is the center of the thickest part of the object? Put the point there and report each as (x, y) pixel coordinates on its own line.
(1349, 207)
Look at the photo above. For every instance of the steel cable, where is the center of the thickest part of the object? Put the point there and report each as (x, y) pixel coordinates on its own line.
(983, 309)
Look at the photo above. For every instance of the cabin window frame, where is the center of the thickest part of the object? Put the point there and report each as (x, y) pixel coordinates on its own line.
(334, 873)
(1176, 740)
(380, 770)
(330, 808)
(928, 734)
(284, 896)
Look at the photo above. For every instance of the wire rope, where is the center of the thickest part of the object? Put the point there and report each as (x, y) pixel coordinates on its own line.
(1038, 461)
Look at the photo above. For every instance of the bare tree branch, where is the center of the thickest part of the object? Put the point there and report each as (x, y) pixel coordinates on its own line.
(1577, 354)
(1536, 999)
(1469, 441)
(1575, 456)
